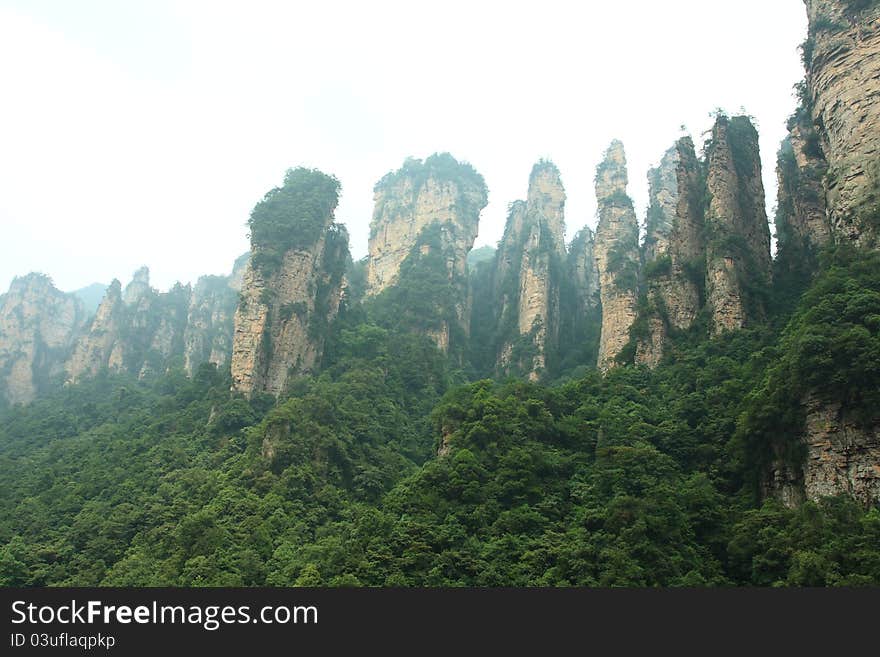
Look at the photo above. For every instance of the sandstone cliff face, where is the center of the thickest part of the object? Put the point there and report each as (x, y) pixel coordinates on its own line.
(530, 260)
(427, 210)
(843, 79)
(290, 291)
(738, 248)
(617, 255)
(38, 325)
(439, 190)
(843, 455)
(674, 248)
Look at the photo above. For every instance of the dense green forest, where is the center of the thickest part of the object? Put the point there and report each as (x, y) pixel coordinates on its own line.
(636, 478)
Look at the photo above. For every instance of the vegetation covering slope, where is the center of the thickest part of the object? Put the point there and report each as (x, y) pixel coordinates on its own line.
(636, 478)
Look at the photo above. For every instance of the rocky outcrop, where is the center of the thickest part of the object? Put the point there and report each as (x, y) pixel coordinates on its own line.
(138, 331)
(426, 214)
(674, 250)
(584, 272)
(209, 325)
(738, 245)
(843, 453)
(842, 457)
(802, 226)
(38, 326)
(292, 286)
(439, 190)
(546, 200)
(529, 265)
(842, 54)
(100, 346)
(138, 288)
(617, 255)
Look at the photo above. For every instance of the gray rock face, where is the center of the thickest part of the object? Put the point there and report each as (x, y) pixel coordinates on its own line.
(38, 325)
(437, 191)
(843, 455)
(207, 337)
(617, 255)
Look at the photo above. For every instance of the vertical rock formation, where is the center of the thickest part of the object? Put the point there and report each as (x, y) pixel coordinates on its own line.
(38, 325)
(617, 255)
(579, 309)
(209, 326)
(842, 54)
(138, 331)
(138, 288)
(802, 225)
(100, 346)
(546, 201)
(674, 250)
(584, 273)
(738, 248)
(829, 190)
(528, 271)
(426, 217)
(293, 283)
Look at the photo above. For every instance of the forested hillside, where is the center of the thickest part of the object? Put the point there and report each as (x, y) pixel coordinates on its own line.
(639, 477)
(687, 398)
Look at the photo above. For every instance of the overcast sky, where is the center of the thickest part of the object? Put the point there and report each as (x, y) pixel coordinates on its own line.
(144, 132)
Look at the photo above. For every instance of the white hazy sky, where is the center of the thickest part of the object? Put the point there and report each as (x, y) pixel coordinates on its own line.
(144, 132)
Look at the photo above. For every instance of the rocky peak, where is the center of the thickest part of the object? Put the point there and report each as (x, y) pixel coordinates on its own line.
(138, 288)
(424, 225)
(617, 255)
(236, 278)
(611, 175)
(527, 274)
(209, 325)
(738, 248)
(38, 324)
(440, 191)
(674, 251)
(100, 347)
(546, 199)
(292, 285)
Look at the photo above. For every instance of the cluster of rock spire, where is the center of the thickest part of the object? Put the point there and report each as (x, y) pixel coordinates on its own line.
(705, 254)
(47, 336)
